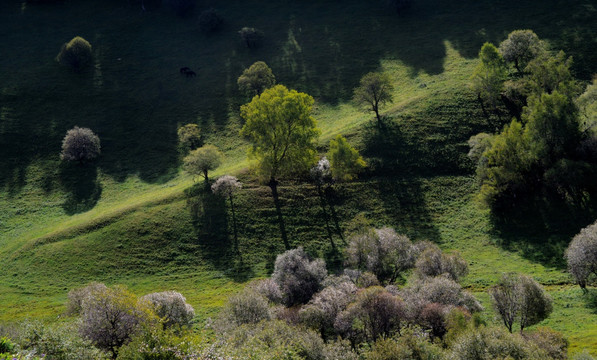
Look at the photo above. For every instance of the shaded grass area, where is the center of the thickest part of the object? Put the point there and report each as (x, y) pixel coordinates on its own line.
(134, 97)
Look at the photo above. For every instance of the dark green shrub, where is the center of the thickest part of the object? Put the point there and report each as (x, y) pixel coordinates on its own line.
(251, 36)
(6, 346)
(76, 53)
(210, 21)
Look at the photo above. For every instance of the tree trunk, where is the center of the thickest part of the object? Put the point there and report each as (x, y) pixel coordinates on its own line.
(325, 216)
(485, 113)
(376, 109)
(273, 184)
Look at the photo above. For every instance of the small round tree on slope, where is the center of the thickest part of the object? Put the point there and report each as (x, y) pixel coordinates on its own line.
(581, 256)
(201, 161)
(80, 144)
(76, 53)
(256, 79)
(521, 47)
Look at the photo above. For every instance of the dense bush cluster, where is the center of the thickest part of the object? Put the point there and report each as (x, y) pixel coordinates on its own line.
(548, 148)
(302, 312)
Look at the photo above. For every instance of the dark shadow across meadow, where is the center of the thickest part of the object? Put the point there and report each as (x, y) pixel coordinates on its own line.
(134, 97)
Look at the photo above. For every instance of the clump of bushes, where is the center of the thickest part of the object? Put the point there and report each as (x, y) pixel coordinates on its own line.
(210, 21)
(76, 53)
(171, 307)
(298, 276)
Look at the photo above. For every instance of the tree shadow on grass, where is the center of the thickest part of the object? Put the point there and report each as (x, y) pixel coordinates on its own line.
(209, 214)
(541, 228)
(388, 149)
(590, 299)
(80, 182)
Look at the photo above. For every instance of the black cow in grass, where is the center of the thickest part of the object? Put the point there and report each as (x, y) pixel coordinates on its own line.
(187, 72)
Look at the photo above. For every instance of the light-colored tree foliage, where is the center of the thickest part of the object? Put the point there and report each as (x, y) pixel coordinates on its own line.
(281, 130)
(246, 307)
(440, 290)
(76, 53)
(382, 252)
(409, 345)
(171, 307)
(56, 341)
(76, 297)
(322, 172)
(275, 340)
(345, 161)
(80, 144)
(257, 78)
(374, 313)
(109, 318)
(489, 75)
(374, 91)
(519, 298)
(490, 343)
(321, 312)
(226, 186)
(432, 262)
(201, 161)
(189, 137)
(581, 256)
(478, 144)
(268, 288)
(521, 47)
(298, 276)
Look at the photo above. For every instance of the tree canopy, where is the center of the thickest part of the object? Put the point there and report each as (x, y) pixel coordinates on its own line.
(255, 79)
(281, 130)
(345, 161)
(520, 47)
(201, 161)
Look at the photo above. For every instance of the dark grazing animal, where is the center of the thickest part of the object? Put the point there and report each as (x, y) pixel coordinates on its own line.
(190, 73)
(183, 70)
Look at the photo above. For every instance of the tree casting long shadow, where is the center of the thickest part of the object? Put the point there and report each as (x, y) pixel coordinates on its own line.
(210, 221)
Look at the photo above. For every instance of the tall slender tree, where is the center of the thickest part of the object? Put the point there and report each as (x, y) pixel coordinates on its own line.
(282, 132)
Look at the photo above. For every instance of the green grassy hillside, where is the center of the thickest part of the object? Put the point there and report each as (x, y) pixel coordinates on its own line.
(132, 218)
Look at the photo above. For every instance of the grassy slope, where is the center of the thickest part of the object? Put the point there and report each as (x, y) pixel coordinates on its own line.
(143, 231)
